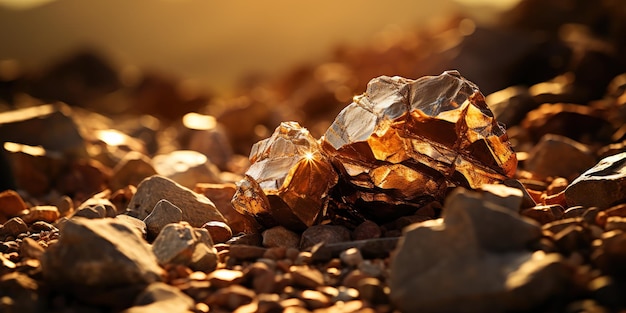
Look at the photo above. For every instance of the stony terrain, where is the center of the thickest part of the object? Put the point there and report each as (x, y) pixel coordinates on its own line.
(145, 196)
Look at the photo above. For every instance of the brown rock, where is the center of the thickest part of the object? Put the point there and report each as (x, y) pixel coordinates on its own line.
(197, 209)
(204, 134)
(13, 227)
(131, 170)
(231, 297)
(280, 236)
(556, 155)
(11, 203)
(29, 248)
(366, 230)
(222, 278)
(510, 105)
(161, 298)
(544, 213)
(601, 186)
(221, 195)
(351, 257)
(96, 208)
(45, 213)
(34, 168)
(246, 252)
(20, 294)
(306, 276)
(327, 234)
(220, 232)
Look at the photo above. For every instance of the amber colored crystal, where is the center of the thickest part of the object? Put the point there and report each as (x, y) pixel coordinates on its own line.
(293, 174)
(410, 139)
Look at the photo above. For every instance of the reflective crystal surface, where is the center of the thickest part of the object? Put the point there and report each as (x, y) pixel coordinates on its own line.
(396, 147)
(406, 140)
(293, 173)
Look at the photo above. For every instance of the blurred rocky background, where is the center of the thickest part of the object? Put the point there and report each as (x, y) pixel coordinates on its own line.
(127, 123)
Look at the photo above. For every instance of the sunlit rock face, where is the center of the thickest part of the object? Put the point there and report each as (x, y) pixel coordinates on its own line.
(405, 141)
(396, 147)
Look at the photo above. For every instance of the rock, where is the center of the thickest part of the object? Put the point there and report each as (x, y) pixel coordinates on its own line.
(306, 276)
(366, 230)
(231, 297)
(601, 186)
(220, 232)
(474, 260)
(186, 167)
(179, 243)
(610, 255)
(164, 213)
(203, 134)
(544, 213)
(503, 195)
(197, 209)
(372, 290)
(138, 225)
(45, 213)
(49, 126)
(295, 176)
(556, 155)
(246, 252)
(33, 168)
(351, 257)
(122, 258)
(31, 249)
(280, 236)
(11, 204)
(327, 234)
(221, 195)
(20, 293)
(13, 227)
(131, 170)
(65, 205)
(222, 278)
(161, 298)
(83, 179)
(510, 105)
(96, 208)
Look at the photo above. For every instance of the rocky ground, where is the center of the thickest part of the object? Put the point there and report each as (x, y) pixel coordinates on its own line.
(136, 194)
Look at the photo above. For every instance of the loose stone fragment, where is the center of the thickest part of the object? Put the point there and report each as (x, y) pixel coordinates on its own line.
(136, 224)
(280, 236)
(11, 203)
(327, 234)
(222, 195)
(556, 156)
(122, 257)
(45, 213)
(182, 244)
(474, 260)
(186, 167)
(293, 174)
(13, 227)
(602, 186)
(164, 213)
(31, 249)
(405, 141)
(19, 294)
(510, 105)
(220, 232)
(96, 208)
(196, 208)
(131, 170)
(161, 298)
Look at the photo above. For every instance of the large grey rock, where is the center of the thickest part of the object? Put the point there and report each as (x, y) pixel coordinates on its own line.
(473, 260)
(161, 298)
(196, 208)
(179, 243)
(601, 186)
(99, 253)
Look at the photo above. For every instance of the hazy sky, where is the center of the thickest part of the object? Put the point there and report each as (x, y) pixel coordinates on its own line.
(214, 42)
